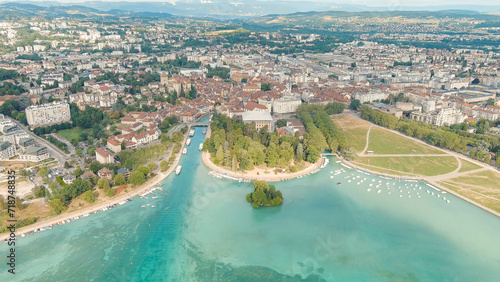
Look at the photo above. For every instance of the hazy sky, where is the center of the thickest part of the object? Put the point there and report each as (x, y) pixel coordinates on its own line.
(362, 2)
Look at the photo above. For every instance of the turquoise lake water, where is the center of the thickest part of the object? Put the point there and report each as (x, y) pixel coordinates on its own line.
(322, 231)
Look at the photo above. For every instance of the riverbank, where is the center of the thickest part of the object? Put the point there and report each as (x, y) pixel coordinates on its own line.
(148, 185)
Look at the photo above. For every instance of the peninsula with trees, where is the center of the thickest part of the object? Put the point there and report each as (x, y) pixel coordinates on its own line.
(239, 146)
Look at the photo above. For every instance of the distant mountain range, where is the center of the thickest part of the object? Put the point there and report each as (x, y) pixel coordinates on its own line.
(228, 9)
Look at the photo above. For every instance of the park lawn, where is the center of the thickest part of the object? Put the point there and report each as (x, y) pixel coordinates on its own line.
(485, 179)
(354, 128)
(468, 166)
(383, 141)
(384, 171)
(426, 166)
(73, 133)
(472, 193)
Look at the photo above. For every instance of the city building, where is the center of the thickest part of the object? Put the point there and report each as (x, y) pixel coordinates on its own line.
(7, 150)
(47, 114)
(68, 179)
(261, 119)
(114, 145)
(35, 154)
(286, 104)
(104, 157)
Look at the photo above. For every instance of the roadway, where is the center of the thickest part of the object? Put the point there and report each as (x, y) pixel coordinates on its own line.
(53, 150)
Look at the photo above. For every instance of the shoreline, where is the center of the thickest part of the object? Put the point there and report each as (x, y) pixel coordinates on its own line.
(148, 185)
(205, 156)
(428, 182)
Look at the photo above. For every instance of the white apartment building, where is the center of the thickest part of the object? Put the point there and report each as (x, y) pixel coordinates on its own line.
(286, 104)
(7, 150)
(449, 116)
(35, 154)
(47, 114)
(371, 96)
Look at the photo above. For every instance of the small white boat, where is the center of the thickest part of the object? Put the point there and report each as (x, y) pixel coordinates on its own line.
(185, 151)
(201, 146)
(154, 197)
(178, 169)
(191, 132)
(143, 206)
(188, 141)
(153, 206)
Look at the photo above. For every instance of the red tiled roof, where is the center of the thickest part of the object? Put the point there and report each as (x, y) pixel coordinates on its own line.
(252, 106)
(102, 152)
(113, 142)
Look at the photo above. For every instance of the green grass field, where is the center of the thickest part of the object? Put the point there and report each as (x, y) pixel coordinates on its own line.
(354, 128)
(478, 195)
(383, 141)
(468, 166)
(426, 166)
(485, 179)
(384, 171)
(73, 133)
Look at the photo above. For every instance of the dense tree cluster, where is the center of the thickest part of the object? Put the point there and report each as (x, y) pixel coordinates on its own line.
(264, 195)
(218, 71)
(8, 74)
(30, 57)
(52, 128)
(240, 146)
(456, 137)
(61, 145)
(86, 118)
(69, 192)
(322, 134)
(334, 108)
(8, 88)
(132, 159)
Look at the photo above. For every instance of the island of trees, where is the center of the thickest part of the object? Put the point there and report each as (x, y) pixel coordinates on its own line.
(264, 195)
(240, 146)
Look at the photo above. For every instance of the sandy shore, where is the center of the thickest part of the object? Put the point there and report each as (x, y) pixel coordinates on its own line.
(269, 177)
(99, 205)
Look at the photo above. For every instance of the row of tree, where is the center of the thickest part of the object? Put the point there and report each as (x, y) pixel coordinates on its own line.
(322, 134)
(455, 138)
